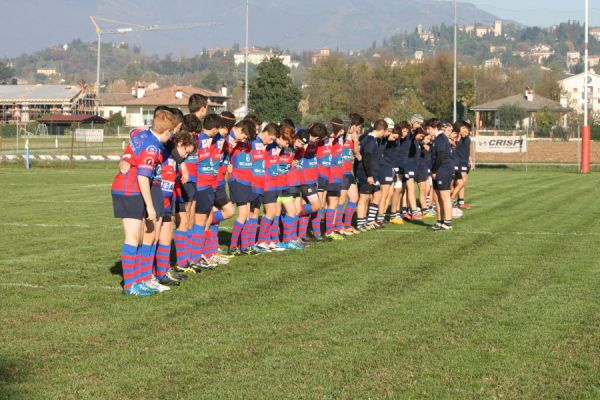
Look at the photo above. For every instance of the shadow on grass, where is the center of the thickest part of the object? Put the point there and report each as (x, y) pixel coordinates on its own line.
(12, 374)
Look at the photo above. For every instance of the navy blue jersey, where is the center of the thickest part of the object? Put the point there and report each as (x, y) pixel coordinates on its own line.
(414, 151)
(424, 161)
(463, 151)
(443, 164)
(404, 146)
(371, 157)
(389, 149)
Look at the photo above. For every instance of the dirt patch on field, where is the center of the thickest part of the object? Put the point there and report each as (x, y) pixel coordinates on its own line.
(543, 152)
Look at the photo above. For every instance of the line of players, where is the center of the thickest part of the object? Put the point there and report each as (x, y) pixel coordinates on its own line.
(173, 179)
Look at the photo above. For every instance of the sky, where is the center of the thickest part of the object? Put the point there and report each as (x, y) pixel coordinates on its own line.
(541, 12)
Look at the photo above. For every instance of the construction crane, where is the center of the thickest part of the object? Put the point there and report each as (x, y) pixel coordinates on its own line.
(131, 27)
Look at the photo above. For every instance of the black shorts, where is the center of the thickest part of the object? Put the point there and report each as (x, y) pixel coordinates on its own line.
(179, 207)
(464, 168)
(205, 199)
(442, 182)
(240, 193)
(409, 173)
(158, 200)
(188, 192)
(334, 187)
(308, 190)
(294, 191)
(422, 175)
(221, 197)
(457, 175)
(386, 175)
(167, 217)
(255, 201)
(269, 197)
(128, 206)
(348, 181)
(366, 188)
(322, 185)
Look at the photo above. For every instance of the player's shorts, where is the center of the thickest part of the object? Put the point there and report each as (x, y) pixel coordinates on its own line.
(240, 194)
(255, 201)
(442, 182)
(188, 192)
(294, 191)
(409, 173)
(348, 181)
(205, 199)
(422, 175)
(386, 175)
(284, 199)
(333, 188)
(167, 216)
(464, 168)
(309, 191)
(322, 184)
(457, 175)
(366, 188)
(221, 197)
(269, 197)
(128, 206)
(157, 200)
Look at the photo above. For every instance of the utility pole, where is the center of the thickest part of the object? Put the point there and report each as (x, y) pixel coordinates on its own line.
(454, 113)
(585, 129)
(247, 109)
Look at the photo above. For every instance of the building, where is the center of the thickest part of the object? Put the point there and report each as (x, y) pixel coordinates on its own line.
(29, 102)
(47, 71)
(492, 63)
(138, 106)
(540, 53)
(320, 55)
(481, 30)
(256, 56)
(573, 58)
(497, 49)
(486, 118)
(572, 94)
(595, 32)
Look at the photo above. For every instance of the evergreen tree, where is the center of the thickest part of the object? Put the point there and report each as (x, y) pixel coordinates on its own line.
(272, 95)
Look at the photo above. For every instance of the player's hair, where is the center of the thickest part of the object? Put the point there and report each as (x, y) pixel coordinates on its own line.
(227, 119)
(191, 123)
(337, 125)
(433, 122)
(403, 125)
(254, 119)
(177, 113)
(356, 119)
(420, 131)
(184, 138)
(196, 102)
(164, 121)
(163, 108)
(212, 121)
(287, 133)
(272, 129)
(380, 125)
(288, 121)
(319, 130)
(248, 128)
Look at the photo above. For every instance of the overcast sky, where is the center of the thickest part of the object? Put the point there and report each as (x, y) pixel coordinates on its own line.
(540, 12)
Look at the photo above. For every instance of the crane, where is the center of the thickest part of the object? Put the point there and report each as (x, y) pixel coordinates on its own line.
(131, 27)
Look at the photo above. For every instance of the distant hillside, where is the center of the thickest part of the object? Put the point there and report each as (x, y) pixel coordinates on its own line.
(290, 24)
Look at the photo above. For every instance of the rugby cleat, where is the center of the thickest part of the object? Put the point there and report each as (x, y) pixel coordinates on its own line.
(168, 280)
(397, 221)
(335, 236)
(153, 283)
(135, 291)
(465, 206)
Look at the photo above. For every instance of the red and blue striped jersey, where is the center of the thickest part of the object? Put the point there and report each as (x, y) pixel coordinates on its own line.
(165, 175)
(207, 173)
(310, 169)
(191, 164)
(240, 158)
(284, 167)
(258, 165)
(295, 175)
(348, 155)
(324, 157)
(218, 150)
(271, 167)
(144, 153)
(336, 171)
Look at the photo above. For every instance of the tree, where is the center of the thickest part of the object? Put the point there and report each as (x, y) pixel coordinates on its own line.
(272, 95)
(436, 85)
(328, 91)
(116, 120)
(211, 81)
(510, 115)
(6, 72)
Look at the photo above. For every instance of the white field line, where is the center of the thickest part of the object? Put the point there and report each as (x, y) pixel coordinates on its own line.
(60, 201)
(515, 233)
(33, 286)
(82, 226)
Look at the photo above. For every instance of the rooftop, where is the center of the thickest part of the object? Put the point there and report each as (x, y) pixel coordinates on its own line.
(38, 93)
(168, 97)
(536, 104)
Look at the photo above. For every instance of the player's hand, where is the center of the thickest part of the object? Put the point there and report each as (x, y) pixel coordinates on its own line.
(294, 163)
(124, 167)
(229, 169)
(433, 176)
(370, 180)
(151, 214)
(471, 165)
(185, 175)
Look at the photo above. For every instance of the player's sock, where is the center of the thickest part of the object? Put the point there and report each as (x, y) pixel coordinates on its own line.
(316, 222)
(404, 210)
(448, 222)
(306, 210)
(264, 232)
(246, 236)
(145, 271)
(217, 217)
(360, 222)
(329, 221)
(235, 234)
(197, 242)
(153, 257)
(180, 239)
(339, 218)
(288, 226)
(372, 213)
(294, 233)
(128, 256)
(275, 229)
(163, 256)
(380, 218)
(461, 201)
(253, 229)
(303, 225)
(348, 213)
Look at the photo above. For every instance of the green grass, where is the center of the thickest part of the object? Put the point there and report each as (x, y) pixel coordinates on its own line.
(506, 306)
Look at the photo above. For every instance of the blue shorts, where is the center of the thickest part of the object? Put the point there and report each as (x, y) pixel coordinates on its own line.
(322, 185)
(442, 182)
(188, 192)
(422, 175)
(366, 188)
(308, 190)
(128, 206)
(348, 181)
(386, 175)
(464, 168)
(221, 197)
(240, 193)
(205, 199)
(269, 197)
(157, 200)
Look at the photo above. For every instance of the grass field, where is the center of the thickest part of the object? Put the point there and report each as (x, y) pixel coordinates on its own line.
(506, 306)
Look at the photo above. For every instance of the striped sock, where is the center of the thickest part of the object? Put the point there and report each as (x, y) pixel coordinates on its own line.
(303, 226)
(145, 269)
(360, 222)
(247, 235)
(128, 256)
(329, 221)
(264, 233)
(253, 229)
(339, 218)
(180, 239)
(217, 217)
(153, 257)
(306, 210)
(317, 217)
(294, 233)
(348, 213)
(212, 241)
(197, 242)
(235, 234)
(448, 222)
(275, 229)
(380, 218)
(137, 268)
(288, 226)
(188, 253)
(163, 255)
(372, 213)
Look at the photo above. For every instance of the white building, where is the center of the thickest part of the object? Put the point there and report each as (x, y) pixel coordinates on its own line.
(573, 58)
(256, 56)
(492, 63)
(572, 94)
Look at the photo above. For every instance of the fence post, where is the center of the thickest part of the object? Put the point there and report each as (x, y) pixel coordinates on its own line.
(72, 144)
